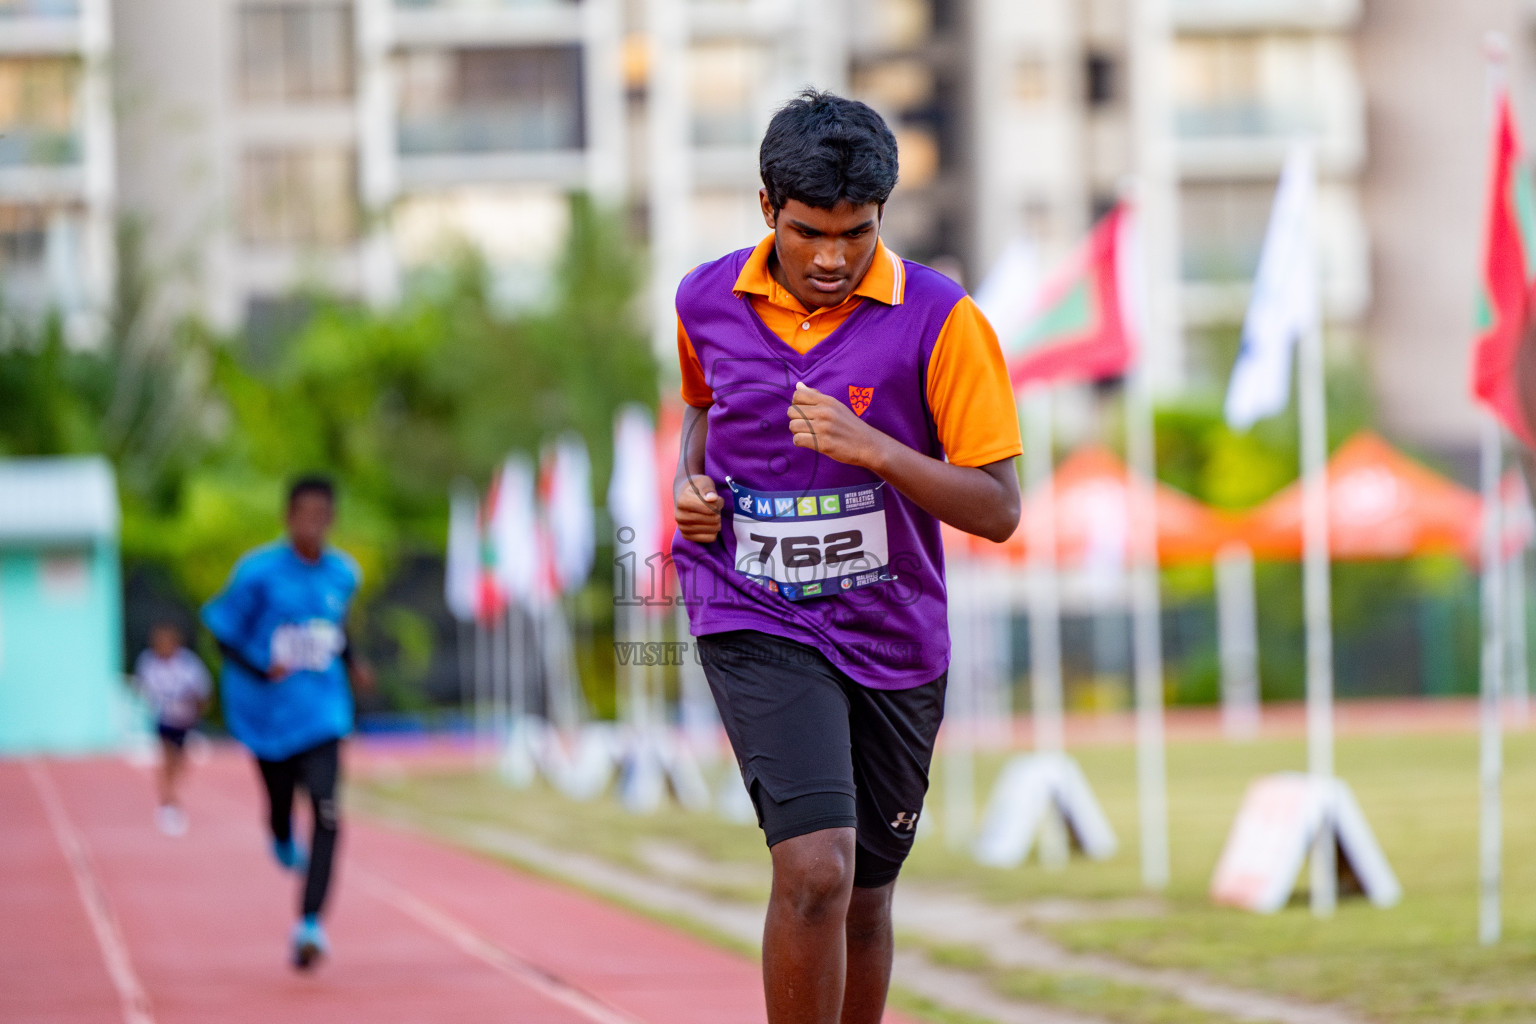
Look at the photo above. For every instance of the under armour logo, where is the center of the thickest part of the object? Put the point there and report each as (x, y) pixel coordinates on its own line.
(906, 820)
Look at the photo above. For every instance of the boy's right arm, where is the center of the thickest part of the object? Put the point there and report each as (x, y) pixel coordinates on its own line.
(229, 617)
(695, 504)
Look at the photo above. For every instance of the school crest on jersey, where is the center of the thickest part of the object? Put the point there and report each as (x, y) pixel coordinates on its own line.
(859, 398)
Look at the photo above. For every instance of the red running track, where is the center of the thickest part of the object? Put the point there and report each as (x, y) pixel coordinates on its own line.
(102, 919)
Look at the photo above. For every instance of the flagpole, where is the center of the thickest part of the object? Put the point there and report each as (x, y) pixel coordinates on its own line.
(1147, 634)
(1044, 597)
(1044, 604)
(960, 707)
(1318, 603)
(1160, 361)
(1491, 741)
(466, 653)
(483, 677)
(1491, 752)
(1517, 668)
(499, 670)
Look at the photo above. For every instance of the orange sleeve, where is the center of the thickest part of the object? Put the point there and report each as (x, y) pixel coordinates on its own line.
(969, 391)
(696, 389)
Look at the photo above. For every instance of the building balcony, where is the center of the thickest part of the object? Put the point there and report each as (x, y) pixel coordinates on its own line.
(456, 22)
(37, 147)
(561, 168)
(1244, 140)
(521, 129)
(1199, 16)
(40, 27)
(33, 183)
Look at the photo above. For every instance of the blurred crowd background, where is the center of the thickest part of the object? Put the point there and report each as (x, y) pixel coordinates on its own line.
(397, 239)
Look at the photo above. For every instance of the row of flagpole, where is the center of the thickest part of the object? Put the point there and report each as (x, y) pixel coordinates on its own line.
(513, 559)
(1284, 321)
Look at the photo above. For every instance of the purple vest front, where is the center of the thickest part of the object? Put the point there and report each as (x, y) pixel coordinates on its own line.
(893, 634)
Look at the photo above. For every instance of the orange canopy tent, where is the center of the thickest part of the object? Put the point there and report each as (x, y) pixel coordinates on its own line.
(1092, 518)
(1381, 504)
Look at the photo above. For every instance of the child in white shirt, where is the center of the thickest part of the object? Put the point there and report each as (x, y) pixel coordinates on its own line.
(176, 684)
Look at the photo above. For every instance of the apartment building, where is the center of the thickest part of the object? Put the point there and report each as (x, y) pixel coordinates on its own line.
(909, 59)
(272, 146)
(57, 172)
(1424, 191)
(478, 120)
(269, 145)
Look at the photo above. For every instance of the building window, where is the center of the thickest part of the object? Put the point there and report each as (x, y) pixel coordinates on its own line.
(1222, 229)
(1032, 80)
(37, 110)
(722, 81)
(1101, 79)
(299, 196)
(39, 8)
(1266, 85)
(491, 100)
(296, 53)
(23, 235)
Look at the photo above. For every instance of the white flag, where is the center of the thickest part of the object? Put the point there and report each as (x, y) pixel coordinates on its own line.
(566, 490)
(1009, 294)
(515, 533)
(634, 495)
(461, 576)
(1285, 300)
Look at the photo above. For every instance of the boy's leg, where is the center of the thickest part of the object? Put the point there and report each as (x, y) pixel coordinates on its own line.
(784, 707)
(804, 946)
(871, 947)
(278, 778)
(170, 755)
(320, 769)
(893, 734)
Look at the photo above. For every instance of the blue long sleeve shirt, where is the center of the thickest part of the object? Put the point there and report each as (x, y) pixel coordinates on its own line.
(278, 608)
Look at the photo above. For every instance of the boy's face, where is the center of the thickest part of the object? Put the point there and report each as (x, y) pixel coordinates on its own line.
(822, 254)
(309, 520)
(164, 640)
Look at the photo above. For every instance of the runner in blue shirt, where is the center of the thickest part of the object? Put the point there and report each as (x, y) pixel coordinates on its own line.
(281, 625)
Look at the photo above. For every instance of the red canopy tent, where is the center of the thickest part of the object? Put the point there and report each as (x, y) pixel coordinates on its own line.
(1090, 502)
(1381, 505)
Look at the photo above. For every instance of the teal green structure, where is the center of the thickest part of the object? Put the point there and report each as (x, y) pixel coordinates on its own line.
(61, 607)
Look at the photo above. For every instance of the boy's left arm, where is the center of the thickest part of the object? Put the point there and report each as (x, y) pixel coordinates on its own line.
(359, 669)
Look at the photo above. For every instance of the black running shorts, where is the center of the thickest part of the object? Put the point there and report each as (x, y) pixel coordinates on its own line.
(175, 735)
(817, 750)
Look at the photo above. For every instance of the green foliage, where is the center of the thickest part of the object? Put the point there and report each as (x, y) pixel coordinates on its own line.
(393, 404)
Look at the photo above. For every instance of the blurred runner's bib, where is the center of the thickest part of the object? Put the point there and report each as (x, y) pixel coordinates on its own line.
(803, 544)
(307, 646)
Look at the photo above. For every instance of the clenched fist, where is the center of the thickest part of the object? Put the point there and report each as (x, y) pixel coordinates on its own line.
(697, 507)
(823, 424)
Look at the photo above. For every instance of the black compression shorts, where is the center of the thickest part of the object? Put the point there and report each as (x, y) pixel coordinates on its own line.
(817, 750)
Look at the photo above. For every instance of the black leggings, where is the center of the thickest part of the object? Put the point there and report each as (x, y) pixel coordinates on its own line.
(318, 770)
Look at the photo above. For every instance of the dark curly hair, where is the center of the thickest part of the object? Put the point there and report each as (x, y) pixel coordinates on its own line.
(821, 149)
(311, 483)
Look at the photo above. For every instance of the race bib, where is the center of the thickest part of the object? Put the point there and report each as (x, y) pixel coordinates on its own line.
(307, 646)
(804, 544)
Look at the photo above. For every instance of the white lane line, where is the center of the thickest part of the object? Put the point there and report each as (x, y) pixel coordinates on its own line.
(114, 951)
(483, 949)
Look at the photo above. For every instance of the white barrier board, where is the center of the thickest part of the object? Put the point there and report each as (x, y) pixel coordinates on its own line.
(1030, 787)
(1279, 820)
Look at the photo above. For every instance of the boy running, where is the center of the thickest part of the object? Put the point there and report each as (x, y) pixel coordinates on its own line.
(842, 403)
(176, 685)
(281, 625)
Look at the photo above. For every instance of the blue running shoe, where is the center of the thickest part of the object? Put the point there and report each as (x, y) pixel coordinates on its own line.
(310, 945)
(290, 855)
